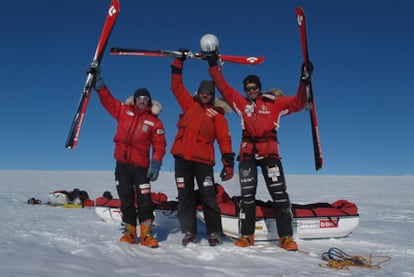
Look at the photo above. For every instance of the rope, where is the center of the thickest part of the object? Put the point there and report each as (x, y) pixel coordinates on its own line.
(338, 259)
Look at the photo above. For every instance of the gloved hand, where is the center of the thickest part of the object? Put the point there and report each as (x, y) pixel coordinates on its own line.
(228, 166)
(183, 52)
(306, 71)
(212, 59)
(154, 170)
(94, 69)
(97, 82)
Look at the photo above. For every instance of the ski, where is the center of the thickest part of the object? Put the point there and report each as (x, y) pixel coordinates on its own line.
(74, 131)
(300, 14)
(169, 53)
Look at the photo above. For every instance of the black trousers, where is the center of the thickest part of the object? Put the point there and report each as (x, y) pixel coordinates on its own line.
(276, 185)
(185, 174)
(134, 190)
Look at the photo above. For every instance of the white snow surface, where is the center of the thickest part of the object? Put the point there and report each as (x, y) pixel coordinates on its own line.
(40, 240)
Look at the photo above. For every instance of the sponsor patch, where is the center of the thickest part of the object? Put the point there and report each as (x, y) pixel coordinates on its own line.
(208, 181)
(150, 123)
(144, 186)
(180, 182)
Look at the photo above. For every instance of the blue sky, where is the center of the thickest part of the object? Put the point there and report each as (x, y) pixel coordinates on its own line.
(361, 50)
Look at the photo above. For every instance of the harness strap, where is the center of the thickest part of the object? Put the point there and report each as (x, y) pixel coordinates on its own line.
(246, 137)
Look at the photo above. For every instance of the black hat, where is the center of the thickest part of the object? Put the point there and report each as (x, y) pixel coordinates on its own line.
(142, 92)
(252, 79)
(207, 85)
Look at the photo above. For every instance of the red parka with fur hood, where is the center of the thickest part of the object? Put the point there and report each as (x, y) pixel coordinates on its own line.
(260, 119)
(137, 130)
(199, 125)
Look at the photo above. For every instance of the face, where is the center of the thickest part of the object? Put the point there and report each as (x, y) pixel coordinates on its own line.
(141, 102)
(252, 90)
(205, 96)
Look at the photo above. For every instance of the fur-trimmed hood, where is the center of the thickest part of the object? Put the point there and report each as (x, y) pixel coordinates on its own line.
(221, 103)
(156, 107)
(217, 102)
(273, 93)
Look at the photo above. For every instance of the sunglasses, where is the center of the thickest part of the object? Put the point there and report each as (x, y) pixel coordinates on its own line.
(143, 98)
(205, 92)
(251, 88)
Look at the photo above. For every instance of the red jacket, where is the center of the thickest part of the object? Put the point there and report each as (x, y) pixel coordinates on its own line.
(136, 131)
(260, 118)
(198, 127)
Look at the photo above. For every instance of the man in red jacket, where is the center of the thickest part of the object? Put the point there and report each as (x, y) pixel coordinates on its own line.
(260, 114)
(201, 123)
(139, 129)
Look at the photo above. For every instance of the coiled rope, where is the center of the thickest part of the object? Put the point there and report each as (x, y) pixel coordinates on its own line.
(338, 259)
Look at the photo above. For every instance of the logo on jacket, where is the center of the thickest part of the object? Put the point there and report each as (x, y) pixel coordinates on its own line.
(249, 109)
(150, 123)
(263, 110)
(210, 112)
(130, 113)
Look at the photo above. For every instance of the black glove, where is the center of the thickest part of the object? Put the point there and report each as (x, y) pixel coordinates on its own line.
(183, 52)
(97, 82)
(228, 166)
(306, 71)
(94, 69)
(212, 59)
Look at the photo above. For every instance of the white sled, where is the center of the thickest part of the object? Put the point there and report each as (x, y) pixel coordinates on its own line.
(310, 221)
(304, 228)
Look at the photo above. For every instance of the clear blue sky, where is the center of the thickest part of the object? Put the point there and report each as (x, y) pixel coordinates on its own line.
(363, 80)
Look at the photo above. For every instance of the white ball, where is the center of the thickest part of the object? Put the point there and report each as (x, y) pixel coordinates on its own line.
(209, 43)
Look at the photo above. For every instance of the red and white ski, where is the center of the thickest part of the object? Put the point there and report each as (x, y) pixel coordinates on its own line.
(74, 131)
(169, 53)
(300, 14)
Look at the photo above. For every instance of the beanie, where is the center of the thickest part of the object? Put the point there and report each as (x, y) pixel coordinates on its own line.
(142, 92)
(252, 79)
(207, 85)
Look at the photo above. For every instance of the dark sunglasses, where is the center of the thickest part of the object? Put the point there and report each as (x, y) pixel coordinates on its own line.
(206, 92)
(251, 88)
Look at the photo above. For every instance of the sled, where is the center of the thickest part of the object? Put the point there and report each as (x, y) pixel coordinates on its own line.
(310, 221)
(165, 212)
(70, 199)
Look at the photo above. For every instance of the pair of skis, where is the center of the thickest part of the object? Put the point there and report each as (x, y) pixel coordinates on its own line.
(300, 15)
(111, 18)
(190, 55)
(73, 136)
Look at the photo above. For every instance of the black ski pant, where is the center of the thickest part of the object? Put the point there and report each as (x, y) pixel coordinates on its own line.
(185, 174)
(275, 182)
(134, 190)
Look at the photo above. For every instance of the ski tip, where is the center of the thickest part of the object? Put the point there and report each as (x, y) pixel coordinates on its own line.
(116, 4)
(299, 10)
(255, 60)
